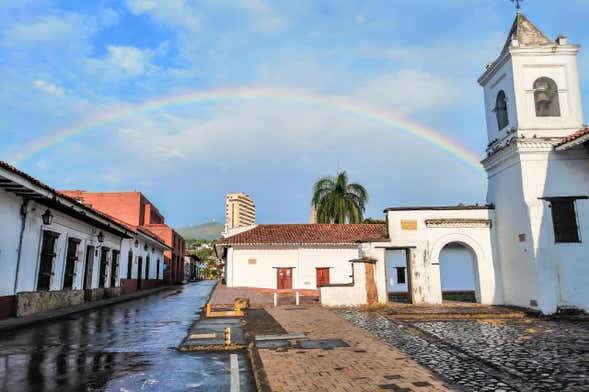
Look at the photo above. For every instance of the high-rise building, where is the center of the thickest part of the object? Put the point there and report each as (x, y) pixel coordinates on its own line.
(239, 211)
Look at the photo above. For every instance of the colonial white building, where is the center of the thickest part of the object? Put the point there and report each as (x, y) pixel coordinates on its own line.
(528, 246)
(296, 256)
(57, 252)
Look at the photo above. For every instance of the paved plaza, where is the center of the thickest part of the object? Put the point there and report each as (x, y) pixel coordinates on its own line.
(366, 364)
(490, 355)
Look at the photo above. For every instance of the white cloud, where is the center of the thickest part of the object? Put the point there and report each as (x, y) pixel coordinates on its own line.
(170, 12)
(264, 17)
(408, 91)
(46, 30)
(48, 87)
(123, 61)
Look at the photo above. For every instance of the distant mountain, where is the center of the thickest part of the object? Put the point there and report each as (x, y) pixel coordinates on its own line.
(207, 231)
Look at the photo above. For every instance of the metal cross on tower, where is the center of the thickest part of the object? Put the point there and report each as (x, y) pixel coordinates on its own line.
(517, 4)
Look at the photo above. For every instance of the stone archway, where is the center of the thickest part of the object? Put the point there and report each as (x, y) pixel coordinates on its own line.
(457, 273)
(477, 254)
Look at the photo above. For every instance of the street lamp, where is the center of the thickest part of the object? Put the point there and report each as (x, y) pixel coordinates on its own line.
(100, 237)
(136, 243)
(47, 217)
(145, 247)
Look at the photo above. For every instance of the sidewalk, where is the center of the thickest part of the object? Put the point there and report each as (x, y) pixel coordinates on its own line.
(224, 295)
(18, 322)
(367, 365)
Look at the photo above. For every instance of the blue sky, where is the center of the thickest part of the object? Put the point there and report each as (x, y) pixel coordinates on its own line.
(62, 61)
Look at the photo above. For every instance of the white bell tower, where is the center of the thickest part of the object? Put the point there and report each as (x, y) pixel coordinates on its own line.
(532, 89)
(539, 190)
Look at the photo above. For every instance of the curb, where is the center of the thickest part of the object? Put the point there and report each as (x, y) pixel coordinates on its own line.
(37, 318)
(258, 371)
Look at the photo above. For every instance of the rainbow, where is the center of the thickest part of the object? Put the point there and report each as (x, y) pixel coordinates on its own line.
(334, 103)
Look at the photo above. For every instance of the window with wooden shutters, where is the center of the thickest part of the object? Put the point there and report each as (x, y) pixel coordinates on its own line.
(71, 259)
(130, 265)
(103, 265)
(46, 260)
(564, 220)
(114, 268)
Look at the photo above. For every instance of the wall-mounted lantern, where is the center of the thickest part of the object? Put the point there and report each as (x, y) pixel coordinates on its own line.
(145, 247)
(136, 243)
(152, 249)
(100, 237)
(47, 217)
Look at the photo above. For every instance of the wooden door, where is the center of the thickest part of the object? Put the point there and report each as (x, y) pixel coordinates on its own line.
(139, 271)
(322, 276)
(103, 265)
(48, 253)
(70, 263)
(284, 278)
(88, 267)
(114, 268)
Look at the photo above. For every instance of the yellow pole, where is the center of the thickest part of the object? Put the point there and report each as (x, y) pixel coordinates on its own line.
(208, 313)
(227, 336)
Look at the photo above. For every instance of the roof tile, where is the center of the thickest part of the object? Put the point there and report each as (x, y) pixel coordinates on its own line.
(309, 234)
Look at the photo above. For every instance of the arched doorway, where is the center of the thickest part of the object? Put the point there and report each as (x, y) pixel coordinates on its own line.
(458, 278)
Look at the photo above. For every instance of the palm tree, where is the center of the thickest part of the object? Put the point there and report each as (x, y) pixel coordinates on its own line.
(337, 201)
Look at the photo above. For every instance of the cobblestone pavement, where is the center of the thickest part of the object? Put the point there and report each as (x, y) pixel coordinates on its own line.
(503, 355)
(366, 365)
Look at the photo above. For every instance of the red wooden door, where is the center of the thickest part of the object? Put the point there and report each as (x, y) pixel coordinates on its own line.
(284, 278)
(322, 276)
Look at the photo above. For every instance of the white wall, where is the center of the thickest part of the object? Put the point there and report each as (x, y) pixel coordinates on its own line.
(426, 244)
(562, 268)
(240, 273)
(66, 227)
(139, 251)
(10, 224)
(535, 268)
(347, 295)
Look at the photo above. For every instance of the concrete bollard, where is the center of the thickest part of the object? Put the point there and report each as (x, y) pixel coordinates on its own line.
(297, 299)
(275, 299)
(227, 336)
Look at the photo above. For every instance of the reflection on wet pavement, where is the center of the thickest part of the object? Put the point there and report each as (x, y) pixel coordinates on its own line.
(126, 347)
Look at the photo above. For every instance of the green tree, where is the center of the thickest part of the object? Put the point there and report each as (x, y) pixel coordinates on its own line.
(337, 201)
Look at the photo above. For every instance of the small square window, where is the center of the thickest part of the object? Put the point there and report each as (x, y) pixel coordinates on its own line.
(400, 275)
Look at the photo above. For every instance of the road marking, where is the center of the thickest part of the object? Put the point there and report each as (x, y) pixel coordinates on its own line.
(234, 373)
(203, 336)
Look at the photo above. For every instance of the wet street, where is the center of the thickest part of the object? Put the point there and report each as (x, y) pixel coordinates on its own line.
(126, 347)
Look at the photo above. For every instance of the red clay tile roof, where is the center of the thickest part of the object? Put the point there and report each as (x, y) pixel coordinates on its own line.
(573, 137)
(308, 234)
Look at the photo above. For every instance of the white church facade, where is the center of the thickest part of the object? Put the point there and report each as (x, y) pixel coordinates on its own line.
(529, 244)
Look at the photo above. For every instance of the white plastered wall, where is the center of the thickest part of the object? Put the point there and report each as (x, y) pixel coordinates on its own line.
(67, 227)
(241, 272)
(426, 243)
(139, 251)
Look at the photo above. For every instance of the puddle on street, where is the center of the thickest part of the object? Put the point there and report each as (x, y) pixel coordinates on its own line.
(125, 347)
